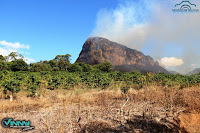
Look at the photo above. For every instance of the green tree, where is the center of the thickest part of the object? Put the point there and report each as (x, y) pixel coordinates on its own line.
(63, 61)
(37, 67)
(53, 63)
(85, 67)
(19, 65)
(74, 68)
(2, 65)
(104, 67)
(12, 56)
(2, 58)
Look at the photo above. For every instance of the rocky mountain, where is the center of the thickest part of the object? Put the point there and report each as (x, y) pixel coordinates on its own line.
(98, 50)
(195, 71)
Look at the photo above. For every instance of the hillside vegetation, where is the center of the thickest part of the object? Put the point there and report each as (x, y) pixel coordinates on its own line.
(17, 75)
(31, 82)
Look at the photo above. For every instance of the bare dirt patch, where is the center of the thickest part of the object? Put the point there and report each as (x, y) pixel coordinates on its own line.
(190, 122)
(148, 110)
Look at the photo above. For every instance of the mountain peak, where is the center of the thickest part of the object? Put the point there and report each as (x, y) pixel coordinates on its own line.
(98, 50)
(195, 71)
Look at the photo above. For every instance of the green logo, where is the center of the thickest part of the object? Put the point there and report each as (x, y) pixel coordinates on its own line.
(185, 7)
(10, 123)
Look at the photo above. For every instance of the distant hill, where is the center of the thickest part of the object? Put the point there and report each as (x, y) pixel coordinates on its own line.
(98, 50)
(174, 72)
(195, 71)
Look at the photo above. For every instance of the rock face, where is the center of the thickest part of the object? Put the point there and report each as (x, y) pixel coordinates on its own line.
(98, 50)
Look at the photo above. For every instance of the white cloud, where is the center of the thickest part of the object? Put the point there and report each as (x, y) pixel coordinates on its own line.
(14, 45)
(28, 60)
(6, 51)
(7, 47)
(170, 62)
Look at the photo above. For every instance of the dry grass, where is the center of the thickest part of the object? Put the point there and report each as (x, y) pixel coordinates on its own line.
(89, 110)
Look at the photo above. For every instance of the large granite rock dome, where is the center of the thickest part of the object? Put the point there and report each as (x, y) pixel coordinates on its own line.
(98, 50)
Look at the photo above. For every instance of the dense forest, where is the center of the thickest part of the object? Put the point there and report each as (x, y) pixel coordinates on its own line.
(16, 75)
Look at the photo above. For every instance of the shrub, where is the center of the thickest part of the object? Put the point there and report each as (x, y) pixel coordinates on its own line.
(85, 67)
(104, 67)
(74, 68)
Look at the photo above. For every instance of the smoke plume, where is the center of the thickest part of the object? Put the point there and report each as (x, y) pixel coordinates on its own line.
(150, 26)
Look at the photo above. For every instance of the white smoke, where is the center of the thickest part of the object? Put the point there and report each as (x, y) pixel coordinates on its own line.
(152, 25)
(126, 24)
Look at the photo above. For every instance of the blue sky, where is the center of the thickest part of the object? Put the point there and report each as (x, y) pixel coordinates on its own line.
(42, 29)
(49, 27)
